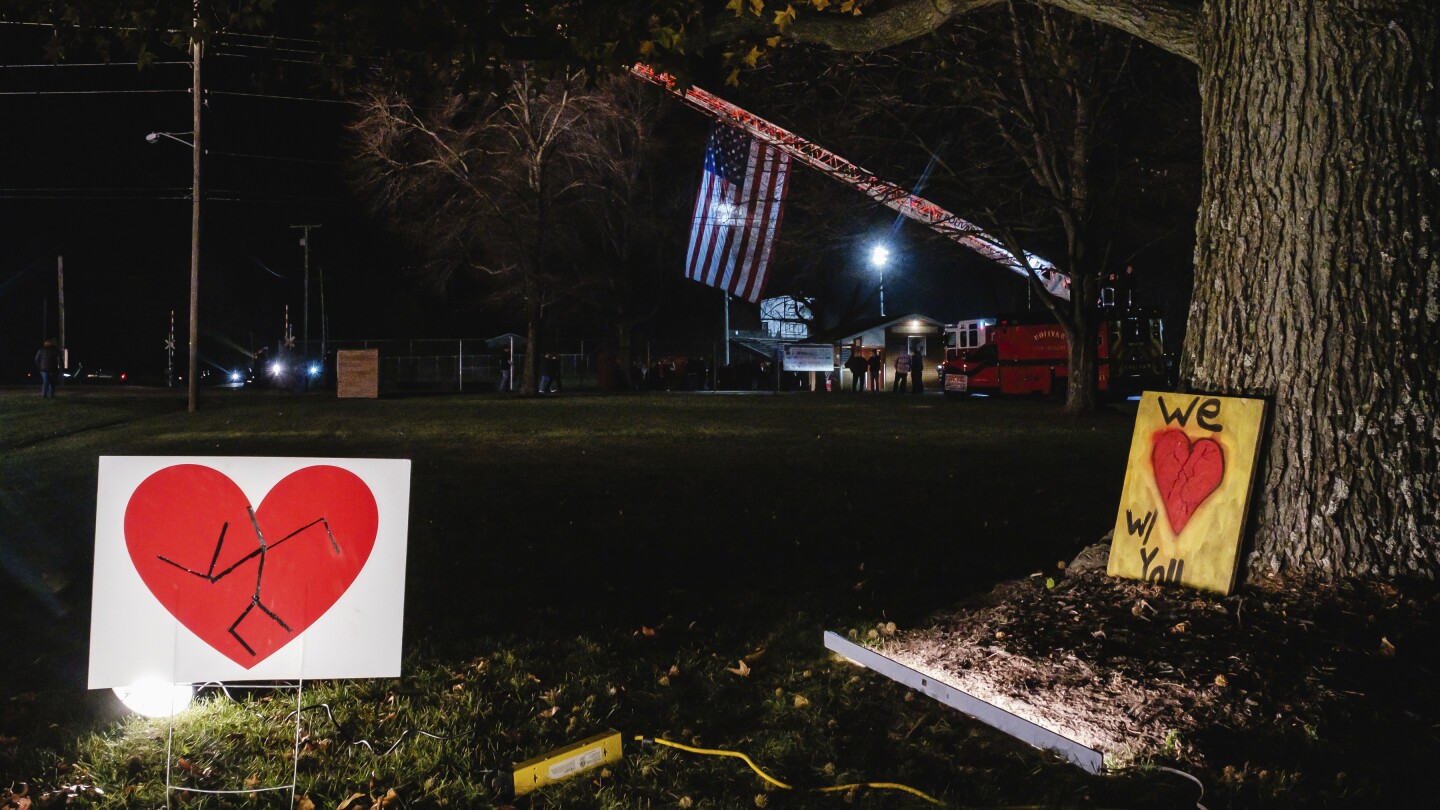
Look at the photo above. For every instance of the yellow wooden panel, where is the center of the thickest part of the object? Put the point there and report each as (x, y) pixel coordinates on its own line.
(1187, 489)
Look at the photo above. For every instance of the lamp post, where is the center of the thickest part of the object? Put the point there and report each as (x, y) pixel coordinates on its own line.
(192, 381)
(196, 103)
(879, 257)
(305, 312)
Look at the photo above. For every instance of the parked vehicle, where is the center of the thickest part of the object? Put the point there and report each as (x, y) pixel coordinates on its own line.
(1026, 353)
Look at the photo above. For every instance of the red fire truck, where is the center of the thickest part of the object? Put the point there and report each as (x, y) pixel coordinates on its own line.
(1025, 353)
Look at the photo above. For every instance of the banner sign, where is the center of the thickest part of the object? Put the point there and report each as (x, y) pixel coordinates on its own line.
(224, 569)
(1187, 489)
(808, 357)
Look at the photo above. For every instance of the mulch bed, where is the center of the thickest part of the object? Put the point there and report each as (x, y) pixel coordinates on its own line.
(1288, 688)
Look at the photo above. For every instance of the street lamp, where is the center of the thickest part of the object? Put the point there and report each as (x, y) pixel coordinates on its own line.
(879, 257)
(154, 137)
(196, 104)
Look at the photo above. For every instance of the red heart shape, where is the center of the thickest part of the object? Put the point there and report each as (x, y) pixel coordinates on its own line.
(193, 539)
(1185, 473)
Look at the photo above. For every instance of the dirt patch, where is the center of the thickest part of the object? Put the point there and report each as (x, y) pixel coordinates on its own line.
(1313, 689)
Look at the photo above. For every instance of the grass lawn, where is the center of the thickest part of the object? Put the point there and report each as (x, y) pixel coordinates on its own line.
(581, 563)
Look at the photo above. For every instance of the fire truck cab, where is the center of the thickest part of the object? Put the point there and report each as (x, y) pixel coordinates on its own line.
(1026, 353)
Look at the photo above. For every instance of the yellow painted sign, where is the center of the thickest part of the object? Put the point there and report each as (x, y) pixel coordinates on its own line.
(1187, 489)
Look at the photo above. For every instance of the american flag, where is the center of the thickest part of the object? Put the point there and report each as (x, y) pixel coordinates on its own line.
(737, 213)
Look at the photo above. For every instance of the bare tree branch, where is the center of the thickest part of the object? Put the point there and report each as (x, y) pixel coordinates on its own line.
(1167, 24)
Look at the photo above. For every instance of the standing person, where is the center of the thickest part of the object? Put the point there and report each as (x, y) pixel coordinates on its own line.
(48, 361)
(875, 364)
(506, 368)
(550, 374)
(902, 368)
(856, 366)
(917, 371)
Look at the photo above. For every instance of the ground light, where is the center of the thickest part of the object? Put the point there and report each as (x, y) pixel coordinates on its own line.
(155, 698)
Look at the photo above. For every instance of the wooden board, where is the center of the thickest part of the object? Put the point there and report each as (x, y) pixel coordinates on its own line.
(1187, 489)
(357, 373)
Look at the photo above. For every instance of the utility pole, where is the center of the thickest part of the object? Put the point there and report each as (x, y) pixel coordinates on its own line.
(193, 393)
(324, 321)
(60, 280)
(305, 312)
(726, 293)
(170, 354)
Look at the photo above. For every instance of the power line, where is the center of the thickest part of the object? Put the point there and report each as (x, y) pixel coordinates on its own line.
(29, 24)
(114, 197)
(274, 157)
(92, 64)
(282, 98)
(83, 92)
(308, 62)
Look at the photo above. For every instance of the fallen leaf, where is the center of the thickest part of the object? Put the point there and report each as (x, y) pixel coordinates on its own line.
(647, 631)
(743, 670)
(355, 802)
(252, 781)
(1221, 680)
(303, 802)
(390, 799)
(1387, 649)
(756, 654)
(800, 702)
(1180, 628)
(550, 712)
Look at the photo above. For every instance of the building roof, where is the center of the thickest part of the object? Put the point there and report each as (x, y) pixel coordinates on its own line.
(848, 332)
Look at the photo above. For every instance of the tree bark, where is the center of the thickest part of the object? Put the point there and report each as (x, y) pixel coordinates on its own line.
(1317, 279)
(530, 372)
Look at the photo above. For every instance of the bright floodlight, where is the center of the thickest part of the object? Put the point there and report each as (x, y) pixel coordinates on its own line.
(880, 256)
(234, 376)
(314, 369)
(276, 369)
(153, 698)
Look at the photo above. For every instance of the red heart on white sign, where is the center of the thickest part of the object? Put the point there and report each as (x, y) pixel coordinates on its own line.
(248, 580)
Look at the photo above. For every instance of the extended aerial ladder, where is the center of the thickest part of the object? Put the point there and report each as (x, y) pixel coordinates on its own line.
(832, 165)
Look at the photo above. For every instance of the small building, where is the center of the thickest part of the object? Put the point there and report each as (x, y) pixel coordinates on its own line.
(890, 337)
(786, 318)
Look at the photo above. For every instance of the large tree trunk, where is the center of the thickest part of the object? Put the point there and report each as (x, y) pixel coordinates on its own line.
(1317, 279)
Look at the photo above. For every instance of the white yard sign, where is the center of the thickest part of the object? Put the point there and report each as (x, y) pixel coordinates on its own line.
(224, 569)
(809, 357)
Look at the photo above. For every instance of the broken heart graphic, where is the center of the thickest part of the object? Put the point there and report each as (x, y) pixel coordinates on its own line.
(1186, 473)
(249, 580)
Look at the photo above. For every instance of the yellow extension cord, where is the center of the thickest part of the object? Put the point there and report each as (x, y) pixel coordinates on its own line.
(715, 752)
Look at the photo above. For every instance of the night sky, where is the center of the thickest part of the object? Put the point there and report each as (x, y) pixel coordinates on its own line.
(80, 180)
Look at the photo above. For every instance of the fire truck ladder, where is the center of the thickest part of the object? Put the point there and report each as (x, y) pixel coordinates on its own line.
(832, 165)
